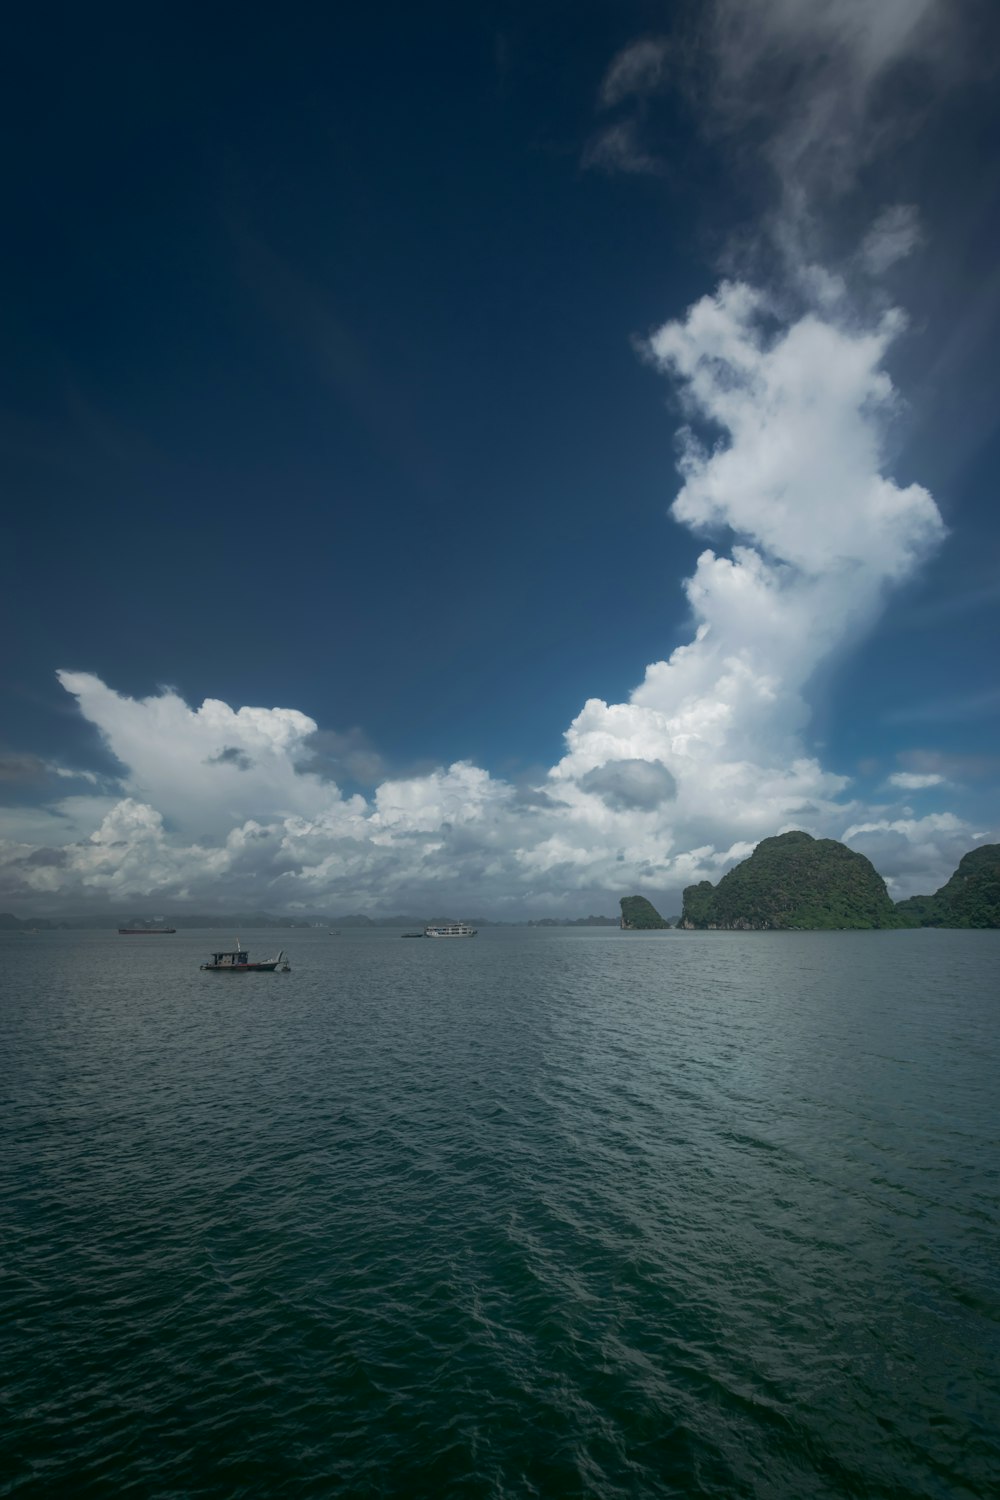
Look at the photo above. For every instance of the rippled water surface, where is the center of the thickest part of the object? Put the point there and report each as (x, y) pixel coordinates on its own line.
(556, 1213)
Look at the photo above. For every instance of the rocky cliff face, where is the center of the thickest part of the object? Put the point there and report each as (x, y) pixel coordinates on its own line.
(798, 882)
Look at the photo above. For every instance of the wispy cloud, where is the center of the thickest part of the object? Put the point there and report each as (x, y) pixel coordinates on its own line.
(618, 148)
(895, 234)
(952, 765)
(915, 781)
(958, 708)
(634, 76)
(951, 607)
(25, 770)
(810, 88)
(807, 80)
(640, 69)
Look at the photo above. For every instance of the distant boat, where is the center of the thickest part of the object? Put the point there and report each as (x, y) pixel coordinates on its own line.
(144, 931)
(237, 961)
(455, 930)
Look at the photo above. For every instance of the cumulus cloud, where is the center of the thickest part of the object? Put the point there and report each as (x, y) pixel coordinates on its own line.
(707, 756)
(804, 411)
(916, 855)
(201, 767)
(795, 474)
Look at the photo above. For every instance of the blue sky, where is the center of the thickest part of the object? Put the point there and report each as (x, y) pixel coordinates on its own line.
(398, 371)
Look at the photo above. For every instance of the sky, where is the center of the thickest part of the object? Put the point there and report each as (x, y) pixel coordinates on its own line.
(489, 460)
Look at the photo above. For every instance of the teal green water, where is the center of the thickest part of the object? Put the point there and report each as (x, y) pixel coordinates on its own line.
(564, 1213)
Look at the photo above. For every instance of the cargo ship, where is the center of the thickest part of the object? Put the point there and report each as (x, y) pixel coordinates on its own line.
(144, 931)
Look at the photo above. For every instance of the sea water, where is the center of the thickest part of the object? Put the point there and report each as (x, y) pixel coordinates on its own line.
(541, 1213)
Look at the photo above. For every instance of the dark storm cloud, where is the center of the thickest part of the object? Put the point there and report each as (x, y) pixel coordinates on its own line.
(631, 785)
(46, 858)
(344, 755)
(21, 770)
(231, 755)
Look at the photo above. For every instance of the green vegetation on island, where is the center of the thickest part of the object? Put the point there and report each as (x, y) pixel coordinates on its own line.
(971, 898)
(794, 882)
(639, 915)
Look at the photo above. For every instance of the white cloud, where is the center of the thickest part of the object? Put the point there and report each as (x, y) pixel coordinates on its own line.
(805, 412)
(201, 768)
(706, 757)
(913, 781)
(916, 855)
(423, 804)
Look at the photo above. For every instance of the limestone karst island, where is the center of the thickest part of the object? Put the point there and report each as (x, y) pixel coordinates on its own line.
(640, 915)
(800, 883)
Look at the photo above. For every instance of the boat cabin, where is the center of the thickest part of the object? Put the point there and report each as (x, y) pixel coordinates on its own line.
(230, 960)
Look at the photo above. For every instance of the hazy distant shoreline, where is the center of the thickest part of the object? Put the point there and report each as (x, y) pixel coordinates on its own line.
(251, 920)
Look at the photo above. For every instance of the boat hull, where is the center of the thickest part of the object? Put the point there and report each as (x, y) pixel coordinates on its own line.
(241, 968)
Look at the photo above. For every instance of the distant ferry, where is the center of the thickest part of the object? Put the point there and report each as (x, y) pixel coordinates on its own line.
(457, 929)
(238, 962)
(144, 931)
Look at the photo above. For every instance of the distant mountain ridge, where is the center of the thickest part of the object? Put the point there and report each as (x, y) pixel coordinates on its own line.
(10, 923)
(248, 921)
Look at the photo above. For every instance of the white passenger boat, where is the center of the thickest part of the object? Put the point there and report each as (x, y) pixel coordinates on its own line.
(456, 929)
